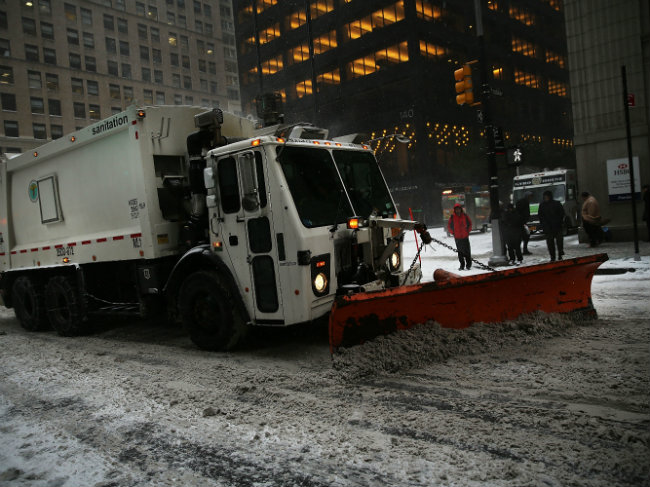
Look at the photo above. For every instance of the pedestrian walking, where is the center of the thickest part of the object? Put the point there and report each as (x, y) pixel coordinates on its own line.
(511, 222)
(523, 210)
(646, 207)
(459, 225)
(551, 217)
(591, 220)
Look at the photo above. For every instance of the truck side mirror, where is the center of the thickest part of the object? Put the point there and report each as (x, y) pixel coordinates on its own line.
(250, 196)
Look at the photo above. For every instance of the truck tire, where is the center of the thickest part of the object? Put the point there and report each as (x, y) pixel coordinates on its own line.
(29, 305)
(64, 307)
(209, 313)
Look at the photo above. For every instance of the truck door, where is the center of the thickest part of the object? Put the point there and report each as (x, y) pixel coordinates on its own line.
(247, 231)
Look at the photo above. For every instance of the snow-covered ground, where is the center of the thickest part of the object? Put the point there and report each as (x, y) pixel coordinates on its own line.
(537, 402)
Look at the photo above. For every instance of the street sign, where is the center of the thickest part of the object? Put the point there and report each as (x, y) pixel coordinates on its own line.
(515, 156)
(499, 142)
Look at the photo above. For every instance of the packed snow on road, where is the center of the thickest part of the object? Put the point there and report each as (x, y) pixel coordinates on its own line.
(541, 401)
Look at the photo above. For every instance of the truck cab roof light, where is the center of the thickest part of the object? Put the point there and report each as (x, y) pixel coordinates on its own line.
(256, 142)
(315, 142)
(338, 144)
(73, 138)
(142, 114)
(354, 222)
(365, 146)
(280, 140)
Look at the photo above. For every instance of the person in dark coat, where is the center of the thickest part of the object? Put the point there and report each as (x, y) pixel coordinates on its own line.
(459, 225)
(522, 207)
(551, 217)
(646, 207)
(511, 225)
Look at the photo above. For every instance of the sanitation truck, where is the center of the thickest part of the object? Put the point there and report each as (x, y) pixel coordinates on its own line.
(476, 202)
(562, 183)
(196, 212)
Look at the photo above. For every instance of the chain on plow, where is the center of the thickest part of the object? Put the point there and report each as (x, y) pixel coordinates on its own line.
(477, 262)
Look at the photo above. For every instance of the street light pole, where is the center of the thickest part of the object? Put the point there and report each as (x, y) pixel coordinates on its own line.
(498, 258)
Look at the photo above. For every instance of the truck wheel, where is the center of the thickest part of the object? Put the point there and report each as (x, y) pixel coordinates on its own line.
(28, 304)
(64, 307)
(208, 312)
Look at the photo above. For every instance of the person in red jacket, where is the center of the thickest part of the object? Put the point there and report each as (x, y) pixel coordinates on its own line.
(459, 225)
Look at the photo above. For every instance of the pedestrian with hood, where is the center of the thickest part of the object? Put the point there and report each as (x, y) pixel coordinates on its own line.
(459, 225)
(551, 217)
(522, 207)
(591, 220)
(511, 225)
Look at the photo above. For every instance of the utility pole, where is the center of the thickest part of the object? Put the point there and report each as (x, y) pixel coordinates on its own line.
(498, 258)
(626, 104)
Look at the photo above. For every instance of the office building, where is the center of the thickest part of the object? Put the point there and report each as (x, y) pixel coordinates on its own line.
(603, 36)
(67, 64)
(384, 66)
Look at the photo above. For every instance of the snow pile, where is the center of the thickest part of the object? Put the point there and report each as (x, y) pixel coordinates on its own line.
(430, 343)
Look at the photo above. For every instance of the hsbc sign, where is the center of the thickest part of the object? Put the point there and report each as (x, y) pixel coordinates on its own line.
(618, 179)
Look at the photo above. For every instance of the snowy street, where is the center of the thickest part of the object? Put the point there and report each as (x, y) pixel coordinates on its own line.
(536, 402)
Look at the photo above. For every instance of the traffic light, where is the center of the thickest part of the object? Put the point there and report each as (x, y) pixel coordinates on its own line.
(465, 84)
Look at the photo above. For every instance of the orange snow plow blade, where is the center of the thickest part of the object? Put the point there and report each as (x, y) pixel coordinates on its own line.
(456, 302)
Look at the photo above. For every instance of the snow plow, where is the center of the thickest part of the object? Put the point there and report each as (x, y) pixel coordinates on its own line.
(455, 301)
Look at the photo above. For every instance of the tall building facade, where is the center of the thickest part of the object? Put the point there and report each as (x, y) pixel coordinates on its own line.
(603, 36)
(384, 66)
(67, 64)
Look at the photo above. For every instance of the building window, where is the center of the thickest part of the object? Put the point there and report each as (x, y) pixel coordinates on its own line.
(173, 59)
(178, 99)
(270, 33)
(146, 74)
(152, 12)
(109, 22)
(156, 55)
(6, 75)
(158, 76)
(91, 64)
(297, 19)
(524, 47)
(128, 94)
(126, 71)
(189, 100)
(89, 40)
(320, 7)
(182, 21)
(372, 63)
(376, 20)
(142, 32)
(77, 85)
(5, 48)
(212, 68)
(185, 43)
(160, 98)
(54, 107)
(155, 34)
(49, 56)
(526, 79)
(8, 101)
(47, 30)
(29, 26)
(75, 60)
(124, 48)
(330, 78)
(198, 26)
(39, 131)
(522, 15)
(213, 87)
(111, 46)
(31, 53)
(37, 106)
(204, 84)
(11, 128)
(73, 37)
(56, 131)
(187, 82)
(94, 112)
(140, 9)
(144, 53)
(431, 50)
(186, 62)
(120, 5)
(271, 66)
(553, 58)
(557, 88)
(115, 110)
(86, 16)
(233, 94)
(197, 7)
(3, 20)
(34, 80)
(122, 26)
(114, 91)
(52, 82)
(112, 68)
(70, 12)
(79, 110)
(425, 10)
(147, 97)
(202, 65)
(171, 18)
(176, 80)
(172, 39)
(92, 87)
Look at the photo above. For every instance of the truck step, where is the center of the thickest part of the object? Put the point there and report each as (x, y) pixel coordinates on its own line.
(117, 309)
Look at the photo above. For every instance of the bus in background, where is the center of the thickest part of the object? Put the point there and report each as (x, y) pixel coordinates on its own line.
(561, 182)
(475, 200)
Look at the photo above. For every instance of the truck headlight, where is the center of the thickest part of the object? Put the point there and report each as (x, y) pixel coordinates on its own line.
(394, 261)
(320, 282)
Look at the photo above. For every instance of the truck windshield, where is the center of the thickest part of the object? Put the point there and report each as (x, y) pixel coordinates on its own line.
(558, 190)
(364, 183)
(315, 186)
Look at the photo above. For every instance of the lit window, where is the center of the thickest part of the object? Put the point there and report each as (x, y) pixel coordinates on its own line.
(369, 64)
(325, 42)
(431, 50)
(526, 79)
(522, 15)
(303, 88)
(493, 5)
(320, 7)
(264, 4)
(376, 20)
(297, 19)
(554, 58)
(330, 78)
(299, 53)
(272, 66)
(425, 10)
(523, 47)
(267, 35)
(557, 88)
